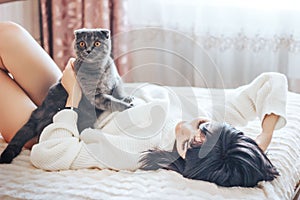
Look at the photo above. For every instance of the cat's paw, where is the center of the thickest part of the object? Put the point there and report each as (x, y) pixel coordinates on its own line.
(120, 106)
(128, 99)
(130, 105)
(7, 156)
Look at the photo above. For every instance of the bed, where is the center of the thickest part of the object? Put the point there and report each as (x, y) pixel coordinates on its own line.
(21, 180)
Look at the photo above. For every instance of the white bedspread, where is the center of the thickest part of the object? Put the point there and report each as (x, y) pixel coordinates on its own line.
(20, 180)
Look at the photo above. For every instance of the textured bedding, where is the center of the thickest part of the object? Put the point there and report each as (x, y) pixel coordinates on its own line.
(21, 180)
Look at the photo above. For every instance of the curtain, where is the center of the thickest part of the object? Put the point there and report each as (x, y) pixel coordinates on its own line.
(61, 17)
(205, 43)
(212, 43)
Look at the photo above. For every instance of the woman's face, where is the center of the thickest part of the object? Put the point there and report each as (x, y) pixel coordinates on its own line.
(188, 134)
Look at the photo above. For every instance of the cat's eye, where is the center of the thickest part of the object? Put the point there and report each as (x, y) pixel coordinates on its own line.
(82, 44)
(97, 44)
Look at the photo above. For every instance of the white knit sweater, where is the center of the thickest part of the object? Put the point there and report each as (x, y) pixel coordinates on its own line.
(120, 137)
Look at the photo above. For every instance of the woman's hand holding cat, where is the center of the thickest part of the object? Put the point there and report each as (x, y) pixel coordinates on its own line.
(71, 85)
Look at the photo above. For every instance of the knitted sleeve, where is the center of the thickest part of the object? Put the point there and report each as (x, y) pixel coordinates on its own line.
(59, 146)
(264, 95)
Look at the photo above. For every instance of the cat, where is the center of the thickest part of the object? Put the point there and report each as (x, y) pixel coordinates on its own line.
(99, 80)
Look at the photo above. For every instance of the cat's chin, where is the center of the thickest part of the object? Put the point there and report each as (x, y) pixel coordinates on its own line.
(90, 60)
(87, 60)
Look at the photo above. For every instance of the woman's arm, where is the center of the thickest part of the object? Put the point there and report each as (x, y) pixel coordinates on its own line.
(268, 125)
(59, 144)
(265, 97)
(71, 85)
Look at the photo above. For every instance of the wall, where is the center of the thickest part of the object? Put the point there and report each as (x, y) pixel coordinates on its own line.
(25, 13)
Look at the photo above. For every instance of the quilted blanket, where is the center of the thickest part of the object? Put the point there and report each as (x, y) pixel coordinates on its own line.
(21, 180)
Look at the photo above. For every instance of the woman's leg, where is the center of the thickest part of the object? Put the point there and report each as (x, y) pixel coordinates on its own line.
(33, 73)
(31, 67)
(15, 107)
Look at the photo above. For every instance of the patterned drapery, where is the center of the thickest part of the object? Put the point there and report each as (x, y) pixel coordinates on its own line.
(213, 43)
(61, 17)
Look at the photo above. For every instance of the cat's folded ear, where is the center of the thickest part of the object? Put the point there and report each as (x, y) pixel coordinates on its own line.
(78, 32)
(106, 33)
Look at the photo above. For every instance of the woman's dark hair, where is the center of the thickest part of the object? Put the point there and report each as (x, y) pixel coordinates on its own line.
(227, 158)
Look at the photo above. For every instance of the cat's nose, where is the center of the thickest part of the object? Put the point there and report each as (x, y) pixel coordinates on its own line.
(88, 51)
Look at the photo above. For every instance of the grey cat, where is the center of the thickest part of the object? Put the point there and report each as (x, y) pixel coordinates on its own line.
(96, 71)
(99, 80)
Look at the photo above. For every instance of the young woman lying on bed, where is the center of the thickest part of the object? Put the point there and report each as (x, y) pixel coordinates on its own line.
(152, 134)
